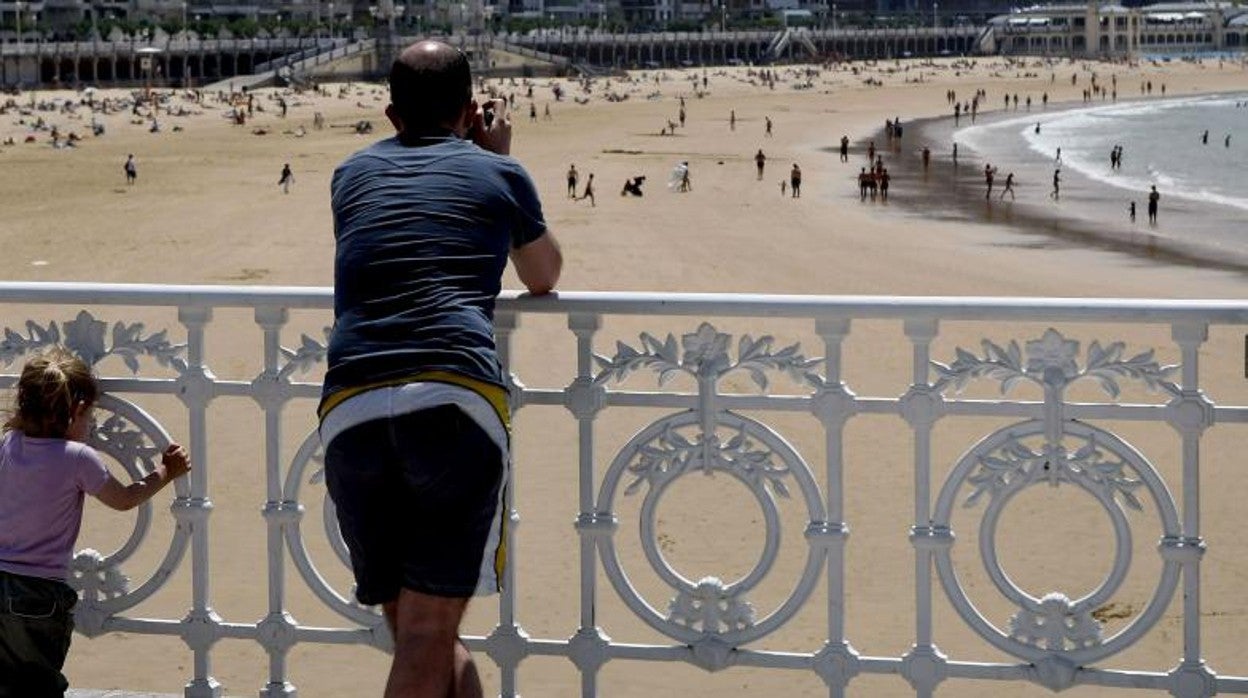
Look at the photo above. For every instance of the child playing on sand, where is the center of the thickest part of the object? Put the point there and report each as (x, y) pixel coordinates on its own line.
(45, 468)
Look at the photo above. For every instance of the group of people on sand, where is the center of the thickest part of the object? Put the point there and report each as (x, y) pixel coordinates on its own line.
(148, 108)
(680, 180)
(874, 182)
(990, 175)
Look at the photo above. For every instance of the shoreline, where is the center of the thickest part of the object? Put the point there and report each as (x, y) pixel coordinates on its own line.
(953, 193)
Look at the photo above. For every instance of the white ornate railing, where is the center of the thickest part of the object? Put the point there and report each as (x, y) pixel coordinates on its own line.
(706, 428)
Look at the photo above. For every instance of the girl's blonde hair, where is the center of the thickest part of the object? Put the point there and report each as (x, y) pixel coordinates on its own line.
(51, 384)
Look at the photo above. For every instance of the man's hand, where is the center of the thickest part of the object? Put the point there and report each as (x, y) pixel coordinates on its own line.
(496, 137)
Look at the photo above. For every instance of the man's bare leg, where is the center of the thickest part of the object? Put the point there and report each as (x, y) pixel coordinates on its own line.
(467, 681)
(429, 661)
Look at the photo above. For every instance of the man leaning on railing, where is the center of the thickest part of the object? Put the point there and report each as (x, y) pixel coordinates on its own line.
(414, 412)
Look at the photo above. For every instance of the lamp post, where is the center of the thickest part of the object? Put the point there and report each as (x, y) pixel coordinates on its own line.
(331, 21)
(184, 20)
(18, 6)
(935, 21)
(833, 18)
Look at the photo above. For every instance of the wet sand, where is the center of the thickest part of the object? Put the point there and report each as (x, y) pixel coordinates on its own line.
(1089, 214)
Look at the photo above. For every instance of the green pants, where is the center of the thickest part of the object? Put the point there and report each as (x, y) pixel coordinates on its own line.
(36, 624)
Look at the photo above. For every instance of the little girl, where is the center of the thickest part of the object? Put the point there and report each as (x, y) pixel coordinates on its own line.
(45, 468)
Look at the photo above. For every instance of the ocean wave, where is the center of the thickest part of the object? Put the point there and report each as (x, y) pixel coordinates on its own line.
(1161, 141)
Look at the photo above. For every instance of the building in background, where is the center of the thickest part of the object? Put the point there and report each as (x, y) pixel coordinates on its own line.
(1091, 29)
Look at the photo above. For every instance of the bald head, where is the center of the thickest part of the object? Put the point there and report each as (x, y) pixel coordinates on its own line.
(430, 84)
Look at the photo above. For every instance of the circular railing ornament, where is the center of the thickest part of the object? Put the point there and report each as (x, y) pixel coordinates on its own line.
(310, 451)
(1056, 632)
(710, 614)
(126, 434)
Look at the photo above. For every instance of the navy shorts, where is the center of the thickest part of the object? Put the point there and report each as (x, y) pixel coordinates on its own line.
(36, 625)
(419, 502)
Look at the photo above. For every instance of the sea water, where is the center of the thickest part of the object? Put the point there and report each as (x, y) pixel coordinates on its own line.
(1162, 144)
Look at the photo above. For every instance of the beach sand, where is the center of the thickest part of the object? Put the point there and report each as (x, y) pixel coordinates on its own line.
(207, 209)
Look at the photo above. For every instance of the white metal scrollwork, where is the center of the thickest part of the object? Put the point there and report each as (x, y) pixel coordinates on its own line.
(343, 604)
(704, 434)
(309, 353)
(133, 439)
(710, 614)
(1055, 632)
(127, 435)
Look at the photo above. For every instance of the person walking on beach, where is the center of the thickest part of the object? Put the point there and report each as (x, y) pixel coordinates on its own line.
(732, 120)
(589, 191)
(573, 176)
(844, 148)
(1058, 160)
(1204, 137)
(795, 181)
(413, 413)
(1009, 187)
(883, 178)
(768, 125)
(287, 178)
(760, 162)
(990, 173)
(1153, 198)
(1131, 211)
(927, 157)
(46, 468)
(1057, 184)
(131, 169)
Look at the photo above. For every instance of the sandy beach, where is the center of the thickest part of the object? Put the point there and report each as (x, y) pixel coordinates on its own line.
(206, 208)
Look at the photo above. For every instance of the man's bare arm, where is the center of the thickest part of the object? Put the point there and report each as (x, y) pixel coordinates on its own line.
(538, 264)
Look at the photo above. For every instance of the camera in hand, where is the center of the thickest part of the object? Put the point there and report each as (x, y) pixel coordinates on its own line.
(487, 115)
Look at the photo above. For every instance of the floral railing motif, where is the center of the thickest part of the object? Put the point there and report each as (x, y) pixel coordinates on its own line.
(710, 433)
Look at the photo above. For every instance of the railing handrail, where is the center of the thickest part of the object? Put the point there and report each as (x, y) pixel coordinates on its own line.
(1222, 311)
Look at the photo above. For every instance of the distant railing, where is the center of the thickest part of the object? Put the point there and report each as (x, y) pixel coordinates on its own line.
(708, 421)
(321, 46)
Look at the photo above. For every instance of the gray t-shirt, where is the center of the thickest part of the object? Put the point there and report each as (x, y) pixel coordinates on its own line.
(422, 236)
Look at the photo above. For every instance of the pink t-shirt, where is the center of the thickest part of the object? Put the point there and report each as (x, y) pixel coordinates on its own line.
(42, 482)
